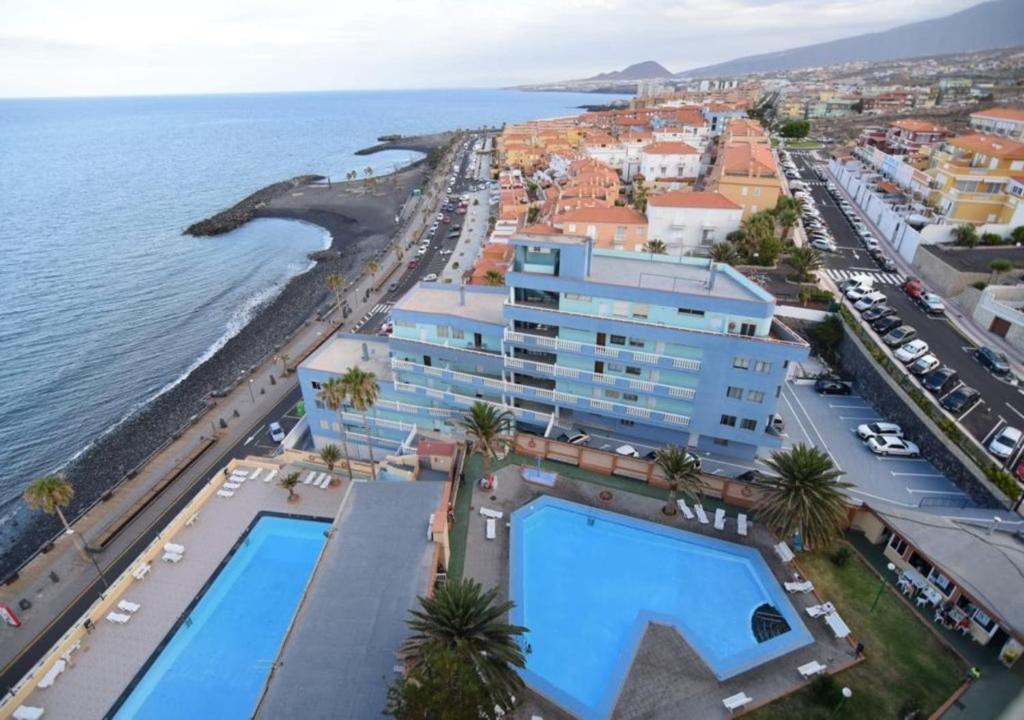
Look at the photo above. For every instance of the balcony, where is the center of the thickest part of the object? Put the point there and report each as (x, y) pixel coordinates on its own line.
(465, 402)
(614, 381)
(601, 352)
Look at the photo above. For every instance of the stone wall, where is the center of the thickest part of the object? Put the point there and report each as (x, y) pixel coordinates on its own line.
(945, 279)
(873, 384)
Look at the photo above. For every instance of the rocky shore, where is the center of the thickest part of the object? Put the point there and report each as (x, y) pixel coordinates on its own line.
(361, 219)
(242, 212)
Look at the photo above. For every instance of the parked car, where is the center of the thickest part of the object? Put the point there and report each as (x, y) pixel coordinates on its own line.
(276, 432)
(924, 364)
(430, 277)
(413, 263)
(820, 243)
(578, 438)
(913, 288)
(885, 324)
(892, 445)
(870, 430)
(627, 451)
(832, 386)
(994, 360)
(869, 301)
(931, 304)
(1005, 442)
(392, 286)
(878, 311)
(887, 264)
(941, 381)
(653, 455)
(858, 291)
(961, 400)
(911, 351)
(898, 336)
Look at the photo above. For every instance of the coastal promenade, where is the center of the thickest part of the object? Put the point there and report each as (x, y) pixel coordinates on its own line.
(61, 583)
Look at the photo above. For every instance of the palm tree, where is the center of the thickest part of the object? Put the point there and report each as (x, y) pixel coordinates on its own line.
(787, 214)
(965, 235)
(51, 493)
(681, 475)
(806, 496)
(461, 616)
(336, 283)
(998, 267)
(362, 391)
(804, 260)
(494, 278)
(489, 430)
(283, 358)
(725, 252)
(332, 394)
(330, 454)
(288, 482)
(655, 247)
(372, 266)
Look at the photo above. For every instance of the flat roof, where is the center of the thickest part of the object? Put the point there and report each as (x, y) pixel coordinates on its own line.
(344, 351)
(479, 303)
(339, 658)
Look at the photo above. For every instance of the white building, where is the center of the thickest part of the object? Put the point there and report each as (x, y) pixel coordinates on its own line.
(690, 223)
(669, 161)
(696, 136)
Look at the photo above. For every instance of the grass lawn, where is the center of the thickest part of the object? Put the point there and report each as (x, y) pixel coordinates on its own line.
(802, 144)
(905, 661)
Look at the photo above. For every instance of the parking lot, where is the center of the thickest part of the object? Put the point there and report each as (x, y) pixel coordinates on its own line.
(260, 442)
(1002, 400)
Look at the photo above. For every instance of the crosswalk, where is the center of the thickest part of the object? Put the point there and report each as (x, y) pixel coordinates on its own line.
(380, 308)
(882, 278)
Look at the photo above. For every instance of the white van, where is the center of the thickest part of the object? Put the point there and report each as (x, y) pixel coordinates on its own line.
(869, 300)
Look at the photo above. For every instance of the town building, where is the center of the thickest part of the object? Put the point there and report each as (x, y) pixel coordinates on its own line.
(909, 136)
(746, 170)
(978, 179)
(616, 228)
(1003, 121)
(690, 223)
(667, 161)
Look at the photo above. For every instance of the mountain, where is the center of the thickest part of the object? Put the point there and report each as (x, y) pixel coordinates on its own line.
(648, 70)
(987, 26)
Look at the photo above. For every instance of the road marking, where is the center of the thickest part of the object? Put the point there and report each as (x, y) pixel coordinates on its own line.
(936, 492)
(808, 435)
(865, 406)
(855, 417)
(995, 429)
(882, 498)
(971, 409)
(1019, 413)
(899, 474)
(904, 458)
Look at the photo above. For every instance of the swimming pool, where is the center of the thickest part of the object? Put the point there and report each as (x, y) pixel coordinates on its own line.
(216, 662)
(586, 583)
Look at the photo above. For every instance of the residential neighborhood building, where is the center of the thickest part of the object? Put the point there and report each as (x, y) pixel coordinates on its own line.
(746, 170)
(1004, 121)
(690, 223)
(909, 136)
(617, 227)
(662, 162)
(977, 179)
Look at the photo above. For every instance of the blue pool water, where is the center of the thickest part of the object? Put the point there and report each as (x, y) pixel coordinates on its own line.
(586, 583)
(216, 665)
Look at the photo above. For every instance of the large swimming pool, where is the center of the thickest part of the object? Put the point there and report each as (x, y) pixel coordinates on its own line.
(587, 582)
(216, 662)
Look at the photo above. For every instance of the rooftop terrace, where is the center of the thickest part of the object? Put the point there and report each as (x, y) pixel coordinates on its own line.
(483, 304)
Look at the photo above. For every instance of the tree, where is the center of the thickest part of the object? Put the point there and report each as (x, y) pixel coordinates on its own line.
(532, 214)
(333, 394)
(444, 686)
(489, 429)
(725, 252)
(795, 129)
(998, 267)
(804, 260)
(991, 238)
(330, 454)
(362, 391)
(806, 496)
(51, 494)
(372, 266)
(336, 284)
(283, 358)
(768, 250)
(640, 195)
(965, 235)
(787, 214)
(655, 246)
(681, 475)
(288, 482)
(494, 278)
(1017, 235)
(461, 616)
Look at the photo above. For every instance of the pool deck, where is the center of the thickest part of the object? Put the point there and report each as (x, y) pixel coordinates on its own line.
(667, 678)
(111, 655)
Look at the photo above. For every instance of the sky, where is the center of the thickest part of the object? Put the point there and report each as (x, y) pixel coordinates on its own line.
(127, 47)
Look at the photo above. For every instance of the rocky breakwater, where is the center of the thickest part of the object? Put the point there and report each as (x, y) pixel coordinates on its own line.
(243, 211)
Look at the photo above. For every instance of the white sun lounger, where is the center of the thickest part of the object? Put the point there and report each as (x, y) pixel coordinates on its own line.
(128, 606)
(240, 473)
(701, 515)
(118, 618)
(783, 551)
(172, 557)
(270, 476)
(741, 524)
(488, 513)
(51, 676)
(799, 587)
(684, 509)
(309, 478)
(226, 493)
(812, 668)
(174, 548)
(192, 520)
(27, 712)
(820, 610)
(719, 519)
(325, 480)
(231, 485)
(255, 473)
(492, 528)
(837, 625)
(735, 702)
(141, 571)
(235, 477)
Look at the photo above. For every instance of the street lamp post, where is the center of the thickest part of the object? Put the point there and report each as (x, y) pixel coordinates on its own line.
(881, 587)
(847, 694)
(252, 395)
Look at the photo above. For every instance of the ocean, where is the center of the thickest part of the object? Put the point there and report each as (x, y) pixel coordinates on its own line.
(104, 303)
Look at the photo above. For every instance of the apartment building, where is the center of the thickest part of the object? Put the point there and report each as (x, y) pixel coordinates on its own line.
(690, 223)
(978, 179)
(615, 228)
(662, 162)
(908, 137)
(1003, 121)
(660, 349)
(746, 170)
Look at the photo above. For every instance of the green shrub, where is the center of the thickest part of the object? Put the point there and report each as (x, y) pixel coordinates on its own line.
(991, 238)
(1004, 481)
(841, 556)
(980, 285)
(825, 690)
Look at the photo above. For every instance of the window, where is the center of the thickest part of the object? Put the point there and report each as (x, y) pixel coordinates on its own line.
(442, 331)
(615, 367)
(748, 329)
(741, 363)
(316, 384)
(762, 366)
(319, 405)
(627, 423)
(635, 342)
(613, 394)
(620, 309)
(457, 334)
(942, 582)
(630, 370)
(748, 424)
(336, 427)
(707, 237)
(577, 296)
(729, 420)
(734, 392)
(688, 311)
(630, 397)
(721, 441)
(640, 310)
(620, 233)
(757, 192)
(743, 190)
(898, 544)
(984, 620)
(324, 425)
(617, 339)
(755, 396)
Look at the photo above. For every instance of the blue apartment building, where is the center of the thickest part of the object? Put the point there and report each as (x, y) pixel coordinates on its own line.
(657, 348)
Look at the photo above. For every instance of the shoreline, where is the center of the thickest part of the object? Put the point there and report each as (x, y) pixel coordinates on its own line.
(359, 220)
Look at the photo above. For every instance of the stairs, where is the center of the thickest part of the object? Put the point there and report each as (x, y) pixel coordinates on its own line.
(767, 623)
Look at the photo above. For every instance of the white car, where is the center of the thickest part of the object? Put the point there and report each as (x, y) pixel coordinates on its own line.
(276, 432)
(1003, 444)
(820, 243)
(430, 277)
(627, 451)
(856, 292)
(911, 351)
(870, 430)
(924, 365)
(892, 445)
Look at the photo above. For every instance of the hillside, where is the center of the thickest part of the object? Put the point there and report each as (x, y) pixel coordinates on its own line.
(648, 70)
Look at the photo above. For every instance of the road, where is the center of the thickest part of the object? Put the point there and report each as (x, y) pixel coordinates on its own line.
(1002, 402)
(256, 442)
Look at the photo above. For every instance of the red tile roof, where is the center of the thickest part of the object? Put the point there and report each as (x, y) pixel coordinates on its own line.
(670, 148)
(992, 145)
(616, 214)
(690, 199)
(1001, 113)
(433, 447)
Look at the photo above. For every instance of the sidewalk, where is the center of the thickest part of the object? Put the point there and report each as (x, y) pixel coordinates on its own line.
(244, 410)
